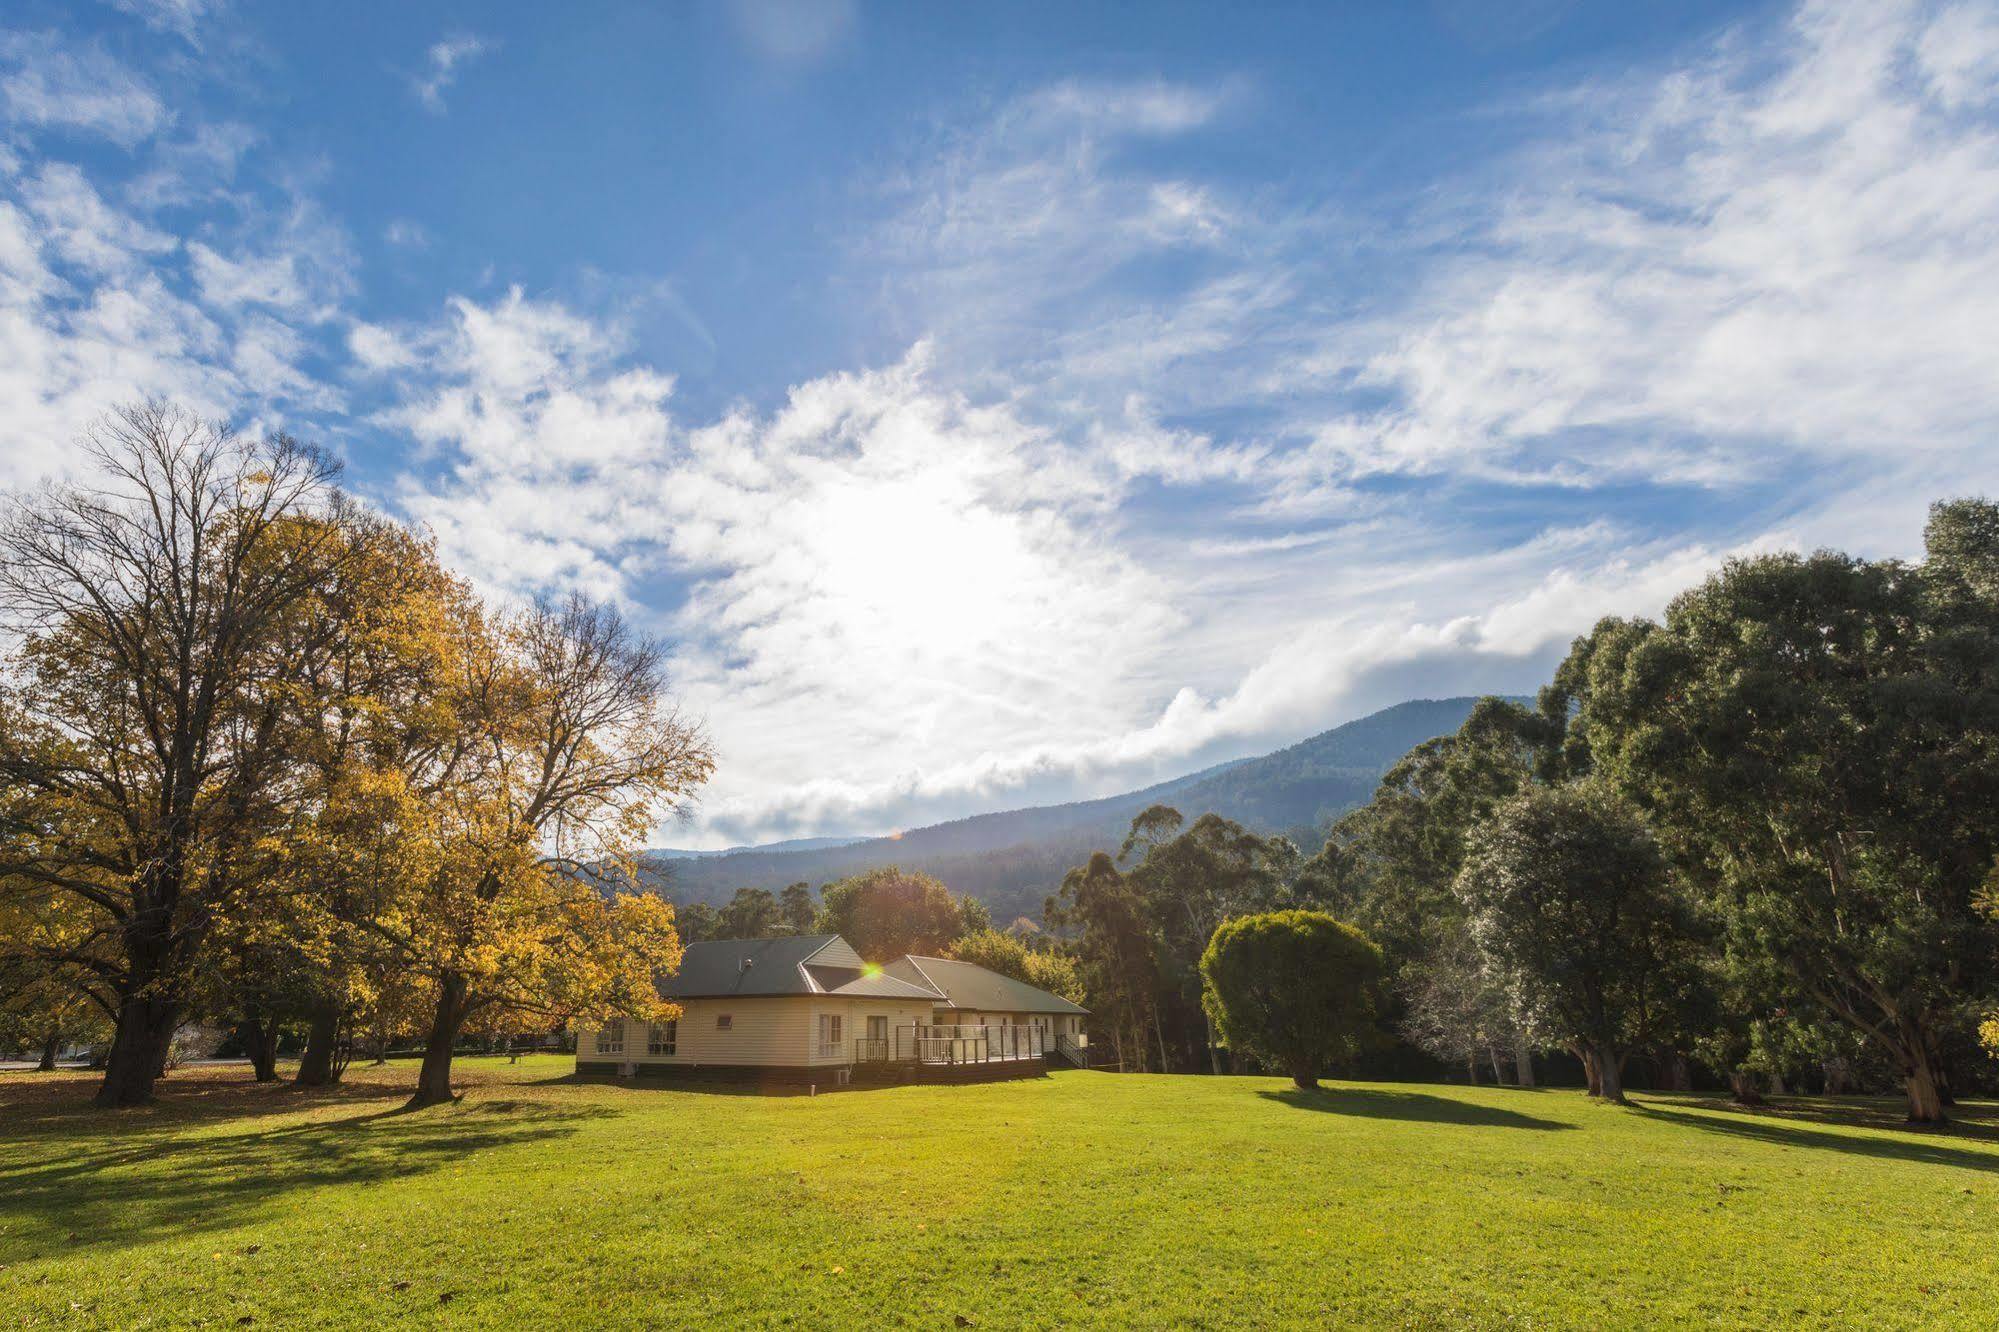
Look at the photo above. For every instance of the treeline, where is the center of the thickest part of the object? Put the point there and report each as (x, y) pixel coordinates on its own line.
(886, 913)
(264, 762)
(1757, 835)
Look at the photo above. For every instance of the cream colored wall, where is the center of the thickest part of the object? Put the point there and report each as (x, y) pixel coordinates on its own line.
(766, 1032)
(853, 1014)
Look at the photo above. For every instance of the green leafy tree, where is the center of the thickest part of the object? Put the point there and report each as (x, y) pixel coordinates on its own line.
(1817, 740)
(698, 921)
(1296, 990)
(993, 951)
(752, 913)
(887, 912)
(1114, 956)
(1569, 900)
(1006, 954)
(1389, 867)
(796, 907)
(1192, 878)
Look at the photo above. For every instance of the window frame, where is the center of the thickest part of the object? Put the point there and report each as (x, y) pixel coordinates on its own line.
(663, 1038)
(605, 1045)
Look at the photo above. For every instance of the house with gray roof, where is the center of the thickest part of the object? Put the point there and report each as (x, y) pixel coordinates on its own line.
(808, 1009)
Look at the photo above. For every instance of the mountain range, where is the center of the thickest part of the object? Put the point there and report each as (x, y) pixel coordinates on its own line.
(1013, 859)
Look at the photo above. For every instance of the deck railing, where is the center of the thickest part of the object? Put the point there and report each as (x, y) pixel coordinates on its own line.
(953, 1043)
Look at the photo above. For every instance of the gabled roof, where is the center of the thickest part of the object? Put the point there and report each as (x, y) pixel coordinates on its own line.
(794, 964)
(876, 985)
(973, 988)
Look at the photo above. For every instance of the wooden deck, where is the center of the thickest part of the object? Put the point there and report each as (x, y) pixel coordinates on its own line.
(924, 1052)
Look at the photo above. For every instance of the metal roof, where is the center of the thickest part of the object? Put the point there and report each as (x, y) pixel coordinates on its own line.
(793, 964)
(973, 988)
(878, 985)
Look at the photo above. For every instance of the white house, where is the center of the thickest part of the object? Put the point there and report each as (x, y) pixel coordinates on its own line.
(808, 1009)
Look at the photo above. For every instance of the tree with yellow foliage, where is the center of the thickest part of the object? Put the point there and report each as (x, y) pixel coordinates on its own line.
(566, 753)
(141, 741)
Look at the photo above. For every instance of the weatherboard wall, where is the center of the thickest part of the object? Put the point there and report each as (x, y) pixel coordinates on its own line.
(763, 1032)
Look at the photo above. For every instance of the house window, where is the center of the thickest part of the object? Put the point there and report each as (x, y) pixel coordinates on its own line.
(829, 1033)
(725, 1021)
(663, 1038)
(611, 1037)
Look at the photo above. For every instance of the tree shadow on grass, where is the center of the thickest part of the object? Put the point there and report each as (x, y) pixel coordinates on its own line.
(60, 1190)
(1814, 1124)
(1416, 1107)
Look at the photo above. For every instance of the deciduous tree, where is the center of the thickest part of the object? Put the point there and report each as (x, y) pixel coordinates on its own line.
(567, 754)
(144, 696)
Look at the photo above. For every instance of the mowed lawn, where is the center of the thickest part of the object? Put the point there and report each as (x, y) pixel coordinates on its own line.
(1081, 1198)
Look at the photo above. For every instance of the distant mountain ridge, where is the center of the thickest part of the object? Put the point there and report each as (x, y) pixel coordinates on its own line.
(795, 844)
(1013, 859)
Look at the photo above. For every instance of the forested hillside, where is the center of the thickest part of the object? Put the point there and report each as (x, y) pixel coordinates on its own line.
(1013, 859)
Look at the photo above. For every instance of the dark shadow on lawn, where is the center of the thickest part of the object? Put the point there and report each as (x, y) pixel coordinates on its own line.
(1802, 1124)
(1417, 1107)
(63, 1190)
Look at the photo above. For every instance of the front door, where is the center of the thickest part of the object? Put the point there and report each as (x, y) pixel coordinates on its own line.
(877, 1047)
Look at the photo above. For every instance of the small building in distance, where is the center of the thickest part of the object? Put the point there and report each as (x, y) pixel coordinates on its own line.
(808, 1010)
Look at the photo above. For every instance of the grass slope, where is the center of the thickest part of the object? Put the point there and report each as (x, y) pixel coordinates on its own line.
(1082, 1198)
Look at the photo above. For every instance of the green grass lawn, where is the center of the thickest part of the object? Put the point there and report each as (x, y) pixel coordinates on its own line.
(1081, 1198)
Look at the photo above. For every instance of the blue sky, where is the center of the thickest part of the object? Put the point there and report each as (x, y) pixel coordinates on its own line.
(1000, 404)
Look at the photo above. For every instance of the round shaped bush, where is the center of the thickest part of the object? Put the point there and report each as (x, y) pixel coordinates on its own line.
(1296, 990)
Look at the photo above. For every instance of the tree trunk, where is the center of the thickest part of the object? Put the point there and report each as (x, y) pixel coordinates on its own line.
(316, 1066)
(1492, 1053)
(1925, 1095)
(1471, 1068)
(1679, 1073)
(381, 1050)
(1214, 1054)
(1592, 1070)
(50, 1049)
(261, 1042)
(1304, 1075)
(1777, 1087)
(1523, 1062)
(145, 1028)
(1159, 1031)
(1836, 1074)
(1742, 1088)
(433, 1079)
(1610, 1075)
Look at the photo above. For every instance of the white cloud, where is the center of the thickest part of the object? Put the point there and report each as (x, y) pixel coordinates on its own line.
(183, 18)
(1959, 53)
(444, 60)
(103, 301)
(378, 349)
(405, 234)
(1796, 265)
(81, 229)
(47, 84)
(201, 165)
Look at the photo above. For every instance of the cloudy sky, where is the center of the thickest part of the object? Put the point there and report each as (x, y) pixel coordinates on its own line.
(999, 404)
